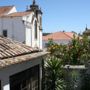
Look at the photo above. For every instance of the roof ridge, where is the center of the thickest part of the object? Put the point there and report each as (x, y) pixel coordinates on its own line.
(19, 14)
(57, 36)
(67, 35)
(8, 6)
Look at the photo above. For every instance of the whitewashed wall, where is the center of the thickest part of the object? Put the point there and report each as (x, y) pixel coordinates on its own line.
(5, 73)
(40, 31)
(14, 27)
(22, 29)
(30, 32)
(64, 42)
(40, 39)
(36, 42)
(12, 10)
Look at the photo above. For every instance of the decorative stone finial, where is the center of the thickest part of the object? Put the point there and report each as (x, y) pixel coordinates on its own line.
(86, 27)
(34, 2)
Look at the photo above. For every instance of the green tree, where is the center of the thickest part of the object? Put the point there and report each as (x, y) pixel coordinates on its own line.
(76, 52)
(50, 43)
(79, 50)
(53, 74)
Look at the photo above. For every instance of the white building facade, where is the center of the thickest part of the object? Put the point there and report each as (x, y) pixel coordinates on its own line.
(25, 27)
(20, 66)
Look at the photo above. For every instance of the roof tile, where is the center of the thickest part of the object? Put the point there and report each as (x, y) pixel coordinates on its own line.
(5, 9)
(9, 48)
(59, 36)
(19, 14)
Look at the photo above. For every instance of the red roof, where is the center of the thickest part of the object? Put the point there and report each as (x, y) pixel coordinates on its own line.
(5, 9)
(59, 36)
(19, 14)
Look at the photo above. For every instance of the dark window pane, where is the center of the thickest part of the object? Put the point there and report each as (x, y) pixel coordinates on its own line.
(35, 30)
(25, 80)
(5, 33)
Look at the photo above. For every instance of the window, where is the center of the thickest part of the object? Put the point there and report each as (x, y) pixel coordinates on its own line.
(40, 21)
(25, 85)
(35, 26)
(34, 83)
(29, 82)
(5, 33)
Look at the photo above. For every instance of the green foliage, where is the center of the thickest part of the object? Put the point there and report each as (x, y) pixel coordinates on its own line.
(85, 85)
(79, 50)
(50, 42)
(53, 74)
(76, 52)
(74, 81)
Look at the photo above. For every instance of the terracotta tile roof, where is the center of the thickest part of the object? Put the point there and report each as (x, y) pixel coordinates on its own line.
(13, 52)
(19, 14)
(9, 48)
(59, 36)
(69, 34)
(5, 9)
(21, 59)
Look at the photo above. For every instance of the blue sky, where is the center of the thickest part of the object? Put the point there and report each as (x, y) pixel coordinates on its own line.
(59, 15)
